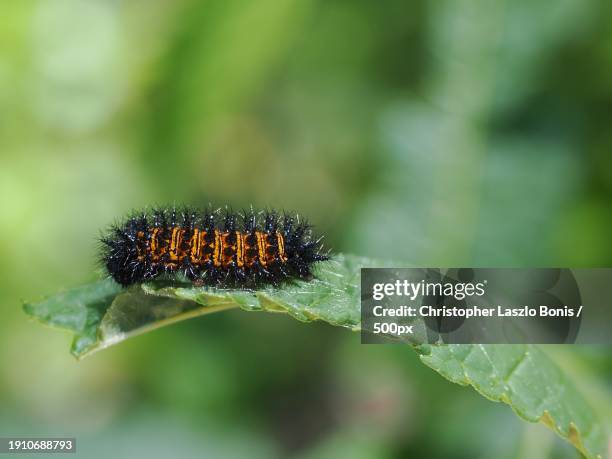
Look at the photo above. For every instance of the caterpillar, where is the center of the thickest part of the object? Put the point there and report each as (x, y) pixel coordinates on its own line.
(211, 247)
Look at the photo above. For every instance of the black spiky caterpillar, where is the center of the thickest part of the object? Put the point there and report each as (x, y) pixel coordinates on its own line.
(211, 247)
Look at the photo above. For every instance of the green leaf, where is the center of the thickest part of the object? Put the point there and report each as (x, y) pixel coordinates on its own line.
(525, 378)
(79, 310)
(102, 314)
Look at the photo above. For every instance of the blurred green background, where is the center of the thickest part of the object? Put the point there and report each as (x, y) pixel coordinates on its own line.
(435, 133)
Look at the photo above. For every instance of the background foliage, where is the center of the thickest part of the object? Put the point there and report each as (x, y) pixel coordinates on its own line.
(446, 133)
